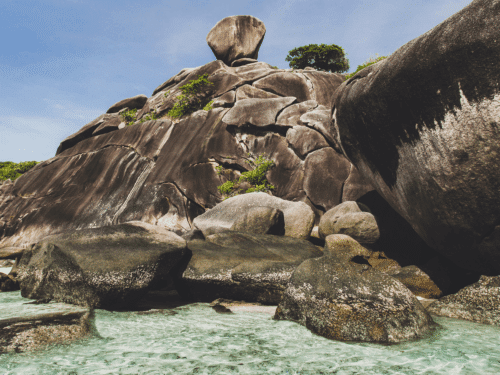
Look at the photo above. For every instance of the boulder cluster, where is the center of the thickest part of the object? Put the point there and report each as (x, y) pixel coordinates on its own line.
(381, 192)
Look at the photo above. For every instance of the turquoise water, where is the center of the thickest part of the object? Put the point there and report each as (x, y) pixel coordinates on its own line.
(194, 339)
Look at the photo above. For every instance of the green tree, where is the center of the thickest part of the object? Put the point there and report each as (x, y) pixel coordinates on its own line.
(324, 57)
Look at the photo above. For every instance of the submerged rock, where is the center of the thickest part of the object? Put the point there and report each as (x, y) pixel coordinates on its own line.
(341, 297)
(35, 328)
(479, 302)
(108, 267)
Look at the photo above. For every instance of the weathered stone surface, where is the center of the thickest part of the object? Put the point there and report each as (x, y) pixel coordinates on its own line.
(226, 100)
(355, 186)
(11, 252)
(26, 327)
(135, 102)
(285, 84)
(304, 140)
(236, 37)
(479, 302)
(107, 267)
(346, 248)
(8, 283)
(339, 296)
(256, 112)
(299, 218)
(330, 218)
(418, 282)
(243, 61)
(361, 226)
(319, 119)
(250, 92)
(422, 126)
(291, 114)
(110, 123)
(261, 220)
(324, 85)
(242, 266)
(324, 188)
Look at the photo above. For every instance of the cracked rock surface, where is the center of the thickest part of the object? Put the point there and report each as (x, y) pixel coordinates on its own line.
(163, 172)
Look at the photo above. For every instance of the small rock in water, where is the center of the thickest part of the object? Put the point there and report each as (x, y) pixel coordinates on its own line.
(39, 301)
(221, 309)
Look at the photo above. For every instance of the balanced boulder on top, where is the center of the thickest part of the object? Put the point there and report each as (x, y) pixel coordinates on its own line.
(236, 37)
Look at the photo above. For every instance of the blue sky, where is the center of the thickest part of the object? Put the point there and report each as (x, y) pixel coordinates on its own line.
(65, 62)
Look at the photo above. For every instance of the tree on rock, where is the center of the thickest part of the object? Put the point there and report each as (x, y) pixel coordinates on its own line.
(328, 58)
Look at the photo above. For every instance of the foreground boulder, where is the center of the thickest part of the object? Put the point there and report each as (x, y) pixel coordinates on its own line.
(108, 267)
(242, 266)
(423, 127)
(27, 326)
(236, 37)
(298, 216)
(339, 296)
(479, 302)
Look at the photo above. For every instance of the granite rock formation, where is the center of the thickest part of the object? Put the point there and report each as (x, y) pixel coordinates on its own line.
(108, 267)
(164, 173)
(479, 302)
(242, 266)
(341, 297)
(423, 127)
(236, 38)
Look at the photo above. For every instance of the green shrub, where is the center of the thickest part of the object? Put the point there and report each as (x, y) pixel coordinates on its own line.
(255, 177)
(369, 62)
(10, 170)
(129, 116)
(190, 100)
(150, 116)
(226, 187)
(208, 107)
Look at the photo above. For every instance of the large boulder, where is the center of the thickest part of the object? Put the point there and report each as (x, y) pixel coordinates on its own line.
(479, 302)
(236, 37)
(261, 220)
(298, 216)
(422, 126)
(108, 267)
(339, 296)
(242, 266)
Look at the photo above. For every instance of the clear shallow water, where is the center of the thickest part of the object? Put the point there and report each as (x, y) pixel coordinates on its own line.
(194, 339)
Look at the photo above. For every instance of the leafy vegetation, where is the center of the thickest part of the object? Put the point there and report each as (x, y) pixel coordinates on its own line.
(208, 107)
(150, 116)
(323, 57)
(191, 99)
(10, 170)
(368, 62)
(129, 116)
(256, 178)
